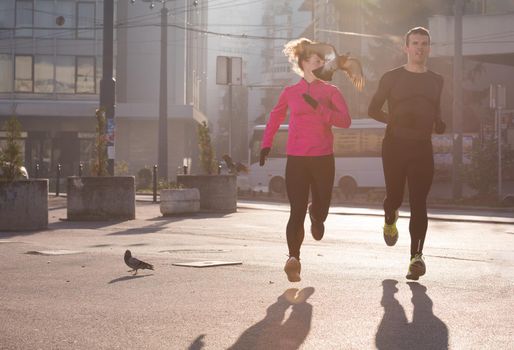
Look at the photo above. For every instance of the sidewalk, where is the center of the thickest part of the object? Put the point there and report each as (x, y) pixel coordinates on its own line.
(446, 213)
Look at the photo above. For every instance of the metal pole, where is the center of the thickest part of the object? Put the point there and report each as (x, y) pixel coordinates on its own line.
(230, 120)
(154, 183)
(162, 148)
(229, 80)
(107, 84)
(457, 101)
(499, 140)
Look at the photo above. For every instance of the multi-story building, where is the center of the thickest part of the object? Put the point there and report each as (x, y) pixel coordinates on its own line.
(51, 67)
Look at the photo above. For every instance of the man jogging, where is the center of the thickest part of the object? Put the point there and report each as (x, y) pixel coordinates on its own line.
(413, 95)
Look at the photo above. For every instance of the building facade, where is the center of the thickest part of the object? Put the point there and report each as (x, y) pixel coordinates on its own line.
(51, 67)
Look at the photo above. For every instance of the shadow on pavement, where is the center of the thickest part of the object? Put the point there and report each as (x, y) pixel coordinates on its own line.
(127, 278)
(426, 331)
(273, 332)
(198, 343)
(190, 216)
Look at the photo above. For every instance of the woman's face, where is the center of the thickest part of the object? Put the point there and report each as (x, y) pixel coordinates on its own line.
(312, 62)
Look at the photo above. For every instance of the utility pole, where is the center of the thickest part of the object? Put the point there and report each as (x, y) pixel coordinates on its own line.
(457, 101)
(107, 84)
(162, 147)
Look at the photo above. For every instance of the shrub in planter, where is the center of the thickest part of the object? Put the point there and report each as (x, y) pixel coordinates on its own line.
(23, 203)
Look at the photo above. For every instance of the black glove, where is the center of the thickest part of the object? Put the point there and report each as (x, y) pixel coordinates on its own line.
(440, 126)
(264, 154)
(308, 98)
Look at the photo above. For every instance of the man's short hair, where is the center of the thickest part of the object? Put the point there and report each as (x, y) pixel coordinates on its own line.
(416, 30)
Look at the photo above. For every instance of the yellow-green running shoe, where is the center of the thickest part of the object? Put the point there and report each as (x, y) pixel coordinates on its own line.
(417, 267)
(391, 232)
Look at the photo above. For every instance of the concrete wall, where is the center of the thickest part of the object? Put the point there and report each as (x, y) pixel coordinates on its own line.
(218, 193)
(101, 198)
(24, 205)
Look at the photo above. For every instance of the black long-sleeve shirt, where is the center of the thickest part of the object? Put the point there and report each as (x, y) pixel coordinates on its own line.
(413, 101)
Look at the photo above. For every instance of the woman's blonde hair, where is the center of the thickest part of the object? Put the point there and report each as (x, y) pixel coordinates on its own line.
(298, 50)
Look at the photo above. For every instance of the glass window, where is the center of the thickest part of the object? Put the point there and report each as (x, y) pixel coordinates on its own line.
(85, 19)
(23, 75)
(278, 149)
(66, 9)
(6, 18)
(44, 74)
(44, 18)
(358, 143)
(24, 17)
(85, 75)
(6, 70)
(65, 74)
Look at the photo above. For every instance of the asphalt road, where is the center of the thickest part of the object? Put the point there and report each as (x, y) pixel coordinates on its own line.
(353, 293)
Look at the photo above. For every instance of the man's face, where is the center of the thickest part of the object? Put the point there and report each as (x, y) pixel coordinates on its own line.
(418, 48)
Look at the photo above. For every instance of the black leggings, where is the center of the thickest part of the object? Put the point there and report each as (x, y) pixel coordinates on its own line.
(304, 174)
(412, 161)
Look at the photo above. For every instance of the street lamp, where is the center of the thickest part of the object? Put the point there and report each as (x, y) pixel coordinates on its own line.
(162, 146)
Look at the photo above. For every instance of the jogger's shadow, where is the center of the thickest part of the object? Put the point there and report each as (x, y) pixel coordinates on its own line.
(426, 331)
(272, 333)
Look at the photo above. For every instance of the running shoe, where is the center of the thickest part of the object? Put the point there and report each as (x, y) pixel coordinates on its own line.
(317, 227)
(417, 267)
(292, 269)
(391, 232)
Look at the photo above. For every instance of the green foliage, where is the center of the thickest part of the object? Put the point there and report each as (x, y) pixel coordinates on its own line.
(483, 170)
(99, 162)
(10, 155)
(121, 168)
(144, 178)
(207, 158)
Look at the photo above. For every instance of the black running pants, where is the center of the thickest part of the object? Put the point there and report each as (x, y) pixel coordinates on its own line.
(411, 161)
(303, 175)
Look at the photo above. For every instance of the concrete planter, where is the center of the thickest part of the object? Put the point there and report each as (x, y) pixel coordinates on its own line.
(24, 205)
(101, 198)
(218, 193)
(180, 201)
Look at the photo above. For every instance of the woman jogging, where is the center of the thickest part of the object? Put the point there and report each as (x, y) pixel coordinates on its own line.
(315, 107)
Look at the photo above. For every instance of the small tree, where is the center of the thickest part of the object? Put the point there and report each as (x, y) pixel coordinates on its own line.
(10, 155)
(99, 166)
(206, 151)
(484, 167)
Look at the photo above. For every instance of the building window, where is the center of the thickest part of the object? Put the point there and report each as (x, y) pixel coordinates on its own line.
(44, 18)
(24, 18)
(6, 73)
(44, 74)
(65, 74)
(67, 10)
(85, 20)
(85, 77)
(23, 74)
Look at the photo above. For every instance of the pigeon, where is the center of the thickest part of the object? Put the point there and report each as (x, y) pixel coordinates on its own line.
(234, 168)
(350, 65)
(135, 264)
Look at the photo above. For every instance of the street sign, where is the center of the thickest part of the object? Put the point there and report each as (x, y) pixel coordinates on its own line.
(229, 70)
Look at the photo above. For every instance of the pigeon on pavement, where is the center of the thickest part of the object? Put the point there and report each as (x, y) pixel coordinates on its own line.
(135, 264)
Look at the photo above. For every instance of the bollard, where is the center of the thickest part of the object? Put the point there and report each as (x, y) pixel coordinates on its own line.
(58, 180)
(81, 168)
(37, 171)
(155, 183)
(184, 168)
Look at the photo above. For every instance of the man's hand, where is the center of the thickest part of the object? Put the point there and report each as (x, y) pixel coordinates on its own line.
(264, 154)
(440, 126)
(308, 98)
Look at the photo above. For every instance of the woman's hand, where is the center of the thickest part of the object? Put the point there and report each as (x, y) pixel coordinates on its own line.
(264, 153)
